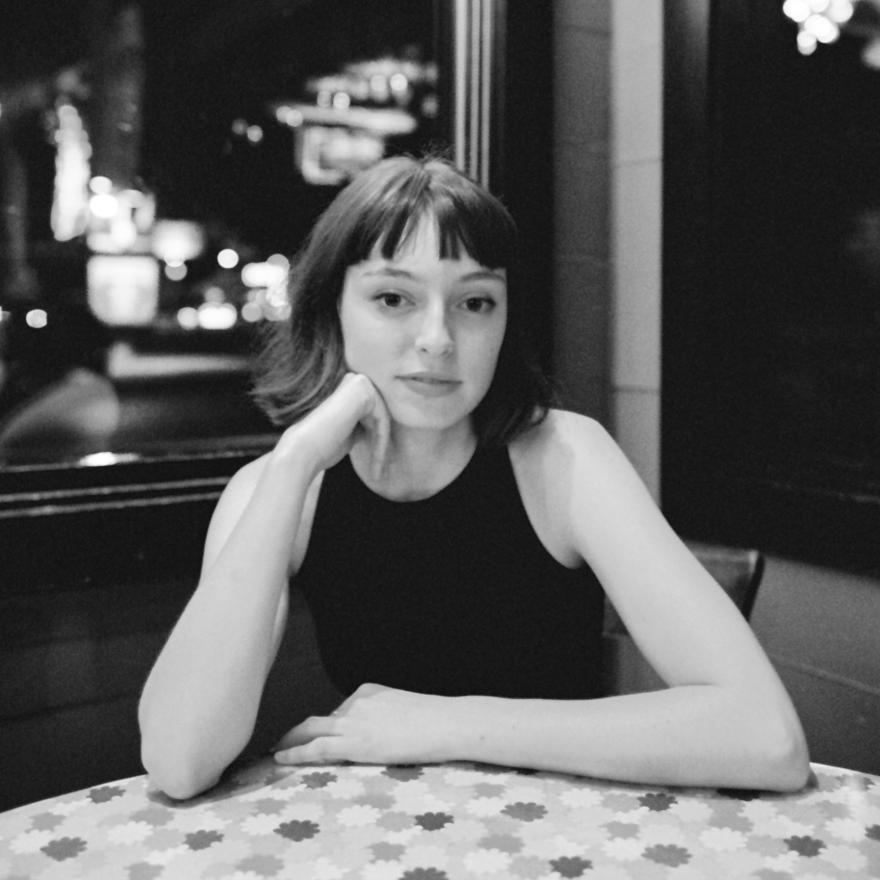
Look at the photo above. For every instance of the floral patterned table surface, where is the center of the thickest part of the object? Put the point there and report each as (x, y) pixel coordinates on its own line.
(443, 822)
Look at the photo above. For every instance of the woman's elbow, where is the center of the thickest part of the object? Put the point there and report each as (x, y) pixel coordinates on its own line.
(175, 775)
(183, 759)
(181, 788)
(786, 758)
(177, 764)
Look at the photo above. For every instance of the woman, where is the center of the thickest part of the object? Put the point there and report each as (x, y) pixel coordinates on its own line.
(450, 532)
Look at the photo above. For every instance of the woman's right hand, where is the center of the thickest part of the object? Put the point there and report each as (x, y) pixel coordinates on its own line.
(354, 413)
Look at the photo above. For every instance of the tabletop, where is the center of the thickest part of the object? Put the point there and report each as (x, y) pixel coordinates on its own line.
(443, 822)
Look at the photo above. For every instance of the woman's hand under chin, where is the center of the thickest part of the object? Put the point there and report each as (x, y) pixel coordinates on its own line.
(354, 413)
(375, 725)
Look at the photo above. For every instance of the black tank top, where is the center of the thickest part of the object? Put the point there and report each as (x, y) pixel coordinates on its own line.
(450, 595)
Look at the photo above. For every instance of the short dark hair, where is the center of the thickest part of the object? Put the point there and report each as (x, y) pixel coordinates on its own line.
(302, 358)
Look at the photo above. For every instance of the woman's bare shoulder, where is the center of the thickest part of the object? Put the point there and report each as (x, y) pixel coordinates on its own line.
(552, 461)
(563, 439)
(573, 460)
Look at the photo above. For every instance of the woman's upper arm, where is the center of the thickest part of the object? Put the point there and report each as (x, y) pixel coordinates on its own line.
(680, 618)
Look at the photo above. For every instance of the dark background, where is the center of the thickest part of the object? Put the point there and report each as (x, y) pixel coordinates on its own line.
(771, 316)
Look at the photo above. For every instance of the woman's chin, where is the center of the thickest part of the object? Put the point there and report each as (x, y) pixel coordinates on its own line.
(434, 417)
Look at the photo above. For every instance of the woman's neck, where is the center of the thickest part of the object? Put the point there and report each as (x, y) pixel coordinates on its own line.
(419, 463)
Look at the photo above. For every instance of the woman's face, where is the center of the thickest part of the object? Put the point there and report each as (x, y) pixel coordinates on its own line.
(426, 331)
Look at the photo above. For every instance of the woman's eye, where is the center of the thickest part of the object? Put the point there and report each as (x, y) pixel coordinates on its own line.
(479, 304)
(391, 300)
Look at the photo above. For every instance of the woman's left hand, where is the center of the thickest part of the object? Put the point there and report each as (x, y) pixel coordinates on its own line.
(375, 725)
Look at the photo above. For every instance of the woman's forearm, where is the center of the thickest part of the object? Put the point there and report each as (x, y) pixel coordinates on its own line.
(200, 701)
(699, 735)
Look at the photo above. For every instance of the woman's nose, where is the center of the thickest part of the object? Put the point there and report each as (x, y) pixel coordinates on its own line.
(433, 336)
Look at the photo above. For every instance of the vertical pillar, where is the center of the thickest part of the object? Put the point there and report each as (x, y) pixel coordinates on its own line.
(476, 67)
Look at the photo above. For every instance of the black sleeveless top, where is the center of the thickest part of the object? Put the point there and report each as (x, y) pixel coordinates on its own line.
(450, 595)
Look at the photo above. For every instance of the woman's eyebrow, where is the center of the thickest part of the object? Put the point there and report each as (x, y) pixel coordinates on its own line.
(390, 270)
(484, 274)
(476, 275)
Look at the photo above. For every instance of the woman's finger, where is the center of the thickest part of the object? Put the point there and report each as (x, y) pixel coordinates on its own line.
(311, 728)
(382, 438)
(323, 750)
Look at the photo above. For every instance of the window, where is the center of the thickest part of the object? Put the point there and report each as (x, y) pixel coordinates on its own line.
(771, 358)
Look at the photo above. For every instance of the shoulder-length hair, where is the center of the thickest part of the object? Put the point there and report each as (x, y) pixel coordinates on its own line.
(302, 358)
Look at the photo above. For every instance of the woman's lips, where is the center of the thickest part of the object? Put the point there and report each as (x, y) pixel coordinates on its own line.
(430, 384)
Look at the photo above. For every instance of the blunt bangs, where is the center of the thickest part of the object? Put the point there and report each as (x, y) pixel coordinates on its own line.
(469, 220)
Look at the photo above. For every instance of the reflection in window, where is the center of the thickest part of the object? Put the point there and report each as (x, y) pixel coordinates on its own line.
(156, 175)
